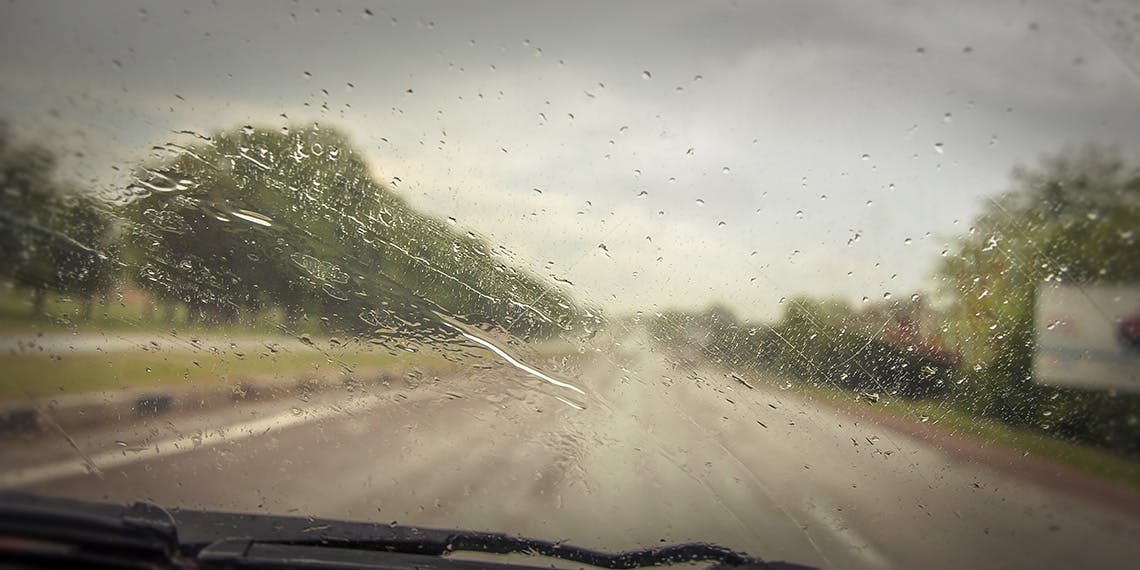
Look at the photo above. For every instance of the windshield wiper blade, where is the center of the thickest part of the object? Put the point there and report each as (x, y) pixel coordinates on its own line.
(443, 543)
(234, 554)
(410, 547)
(664, 555)
(200, 528)
(61, 530)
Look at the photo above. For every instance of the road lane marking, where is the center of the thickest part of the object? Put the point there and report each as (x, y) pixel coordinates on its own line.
(852, 542)
(117, 457)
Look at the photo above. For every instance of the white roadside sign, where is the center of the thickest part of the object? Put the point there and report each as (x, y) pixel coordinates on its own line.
(1088, 337)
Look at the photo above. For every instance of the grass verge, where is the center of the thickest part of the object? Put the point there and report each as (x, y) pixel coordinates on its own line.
(65, 313)
(943, 415)
(48, 375)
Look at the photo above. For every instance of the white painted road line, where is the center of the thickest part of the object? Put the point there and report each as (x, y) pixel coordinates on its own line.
(844, 534)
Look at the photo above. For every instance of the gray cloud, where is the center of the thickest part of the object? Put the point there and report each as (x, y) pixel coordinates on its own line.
(790, 96)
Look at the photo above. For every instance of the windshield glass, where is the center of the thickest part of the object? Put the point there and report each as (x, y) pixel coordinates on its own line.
(852, 286)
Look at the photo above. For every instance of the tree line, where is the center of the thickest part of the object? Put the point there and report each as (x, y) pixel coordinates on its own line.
(250, 220)
(292, 222)
(1071, 219)
(53, 237)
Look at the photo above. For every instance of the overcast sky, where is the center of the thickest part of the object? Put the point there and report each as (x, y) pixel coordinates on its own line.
(720, 152)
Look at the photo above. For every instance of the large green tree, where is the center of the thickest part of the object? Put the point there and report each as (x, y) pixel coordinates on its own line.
(53, 236)
(1072, 219)
(254, 218)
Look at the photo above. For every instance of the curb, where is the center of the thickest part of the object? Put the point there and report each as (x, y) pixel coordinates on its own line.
(81, 411)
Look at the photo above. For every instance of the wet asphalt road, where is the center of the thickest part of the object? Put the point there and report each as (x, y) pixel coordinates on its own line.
(659, 454)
